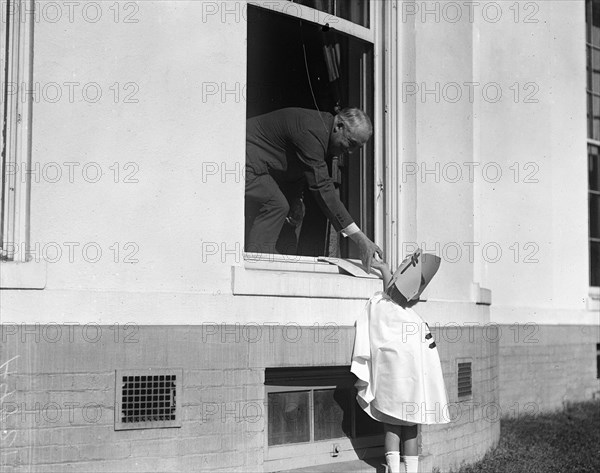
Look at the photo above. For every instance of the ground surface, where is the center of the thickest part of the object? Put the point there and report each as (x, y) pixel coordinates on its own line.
(562, 442)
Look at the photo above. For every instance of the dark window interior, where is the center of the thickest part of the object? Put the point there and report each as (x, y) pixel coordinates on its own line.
(356, 11)
(281, 49)
(323, 398)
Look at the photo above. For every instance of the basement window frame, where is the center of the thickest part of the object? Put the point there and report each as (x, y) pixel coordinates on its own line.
(311, 379)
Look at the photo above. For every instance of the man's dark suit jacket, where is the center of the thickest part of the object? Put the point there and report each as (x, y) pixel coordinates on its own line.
(291, 145)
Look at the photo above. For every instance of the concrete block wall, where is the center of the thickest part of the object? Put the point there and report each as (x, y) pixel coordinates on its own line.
(475, 420)
(58, 403)
(542, 367)
(58, 411)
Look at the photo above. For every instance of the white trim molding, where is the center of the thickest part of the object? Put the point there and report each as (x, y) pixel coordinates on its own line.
(593, 301)
(19, 73)
(30, 275)
(318, 17)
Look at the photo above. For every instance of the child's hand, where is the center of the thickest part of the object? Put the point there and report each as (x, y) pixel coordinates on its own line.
(382, 266)
(378, 263)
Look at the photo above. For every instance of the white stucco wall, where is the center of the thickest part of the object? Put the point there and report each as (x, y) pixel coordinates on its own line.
(543, 209)
(186, 64)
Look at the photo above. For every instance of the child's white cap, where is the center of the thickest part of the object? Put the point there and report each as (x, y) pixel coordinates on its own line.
(414, 274)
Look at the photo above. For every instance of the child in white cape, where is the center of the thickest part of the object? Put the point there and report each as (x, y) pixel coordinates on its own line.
(400, 380)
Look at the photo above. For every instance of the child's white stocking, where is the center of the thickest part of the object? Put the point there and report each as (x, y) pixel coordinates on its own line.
(393, 461)
(411, 464)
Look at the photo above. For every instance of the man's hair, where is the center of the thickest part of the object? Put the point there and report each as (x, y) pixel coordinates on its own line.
(355, 119)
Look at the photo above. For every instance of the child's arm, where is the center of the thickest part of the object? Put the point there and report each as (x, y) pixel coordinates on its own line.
(385, 272)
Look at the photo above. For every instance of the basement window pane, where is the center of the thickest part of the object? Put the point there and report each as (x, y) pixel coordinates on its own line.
(332, 413)
(289, 420)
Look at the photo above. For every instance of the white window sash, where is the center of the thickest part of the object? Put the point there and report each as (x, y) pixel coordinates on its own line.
(316, 16)
(19, 65)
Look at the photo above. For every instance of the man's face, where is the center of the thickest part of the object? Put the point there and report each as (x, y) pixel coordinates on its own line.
(344, 141)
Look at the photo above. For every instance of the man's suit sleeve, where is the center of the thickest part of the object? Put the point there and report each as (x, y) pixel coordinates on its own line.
(311, 151)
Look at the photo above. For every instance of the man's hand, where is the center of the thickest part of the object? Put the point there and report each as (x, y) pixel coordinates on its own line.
(297, 212)
(367, 249)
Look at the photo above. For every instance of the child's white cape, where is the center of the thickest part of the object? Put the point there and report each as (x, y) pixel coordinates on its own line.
(398, 367)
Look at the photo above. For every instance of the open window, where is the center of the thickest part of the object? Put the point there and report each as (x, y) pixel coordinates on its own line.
(293, 62)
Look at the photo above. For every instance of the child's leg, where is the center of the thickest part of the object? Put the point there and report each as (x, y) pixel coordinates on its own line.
(393, 434)
(409, 440)
(410, 448)
(392, 447)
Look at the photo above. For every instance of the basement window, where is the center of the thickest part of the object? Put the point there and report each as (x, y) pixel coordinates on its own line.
(147, 399)
(465, 381)
(313, 412)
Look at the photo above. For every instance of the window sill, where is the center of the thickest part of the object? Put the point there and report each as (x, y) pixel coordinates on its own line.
(30, 275)
(299, 276)
(593, 302)
(480, 295)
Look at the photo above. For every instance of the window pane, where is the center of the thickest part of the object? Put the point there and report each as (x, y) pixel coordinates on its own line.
(595, 58)
(594, 215)
(595, 86)
(589, 116)
(321, 5)
(332, 413)
(356, 11)
(594, 263)
(596, 117)
(289, 420)
(594, 168)
(596, 22)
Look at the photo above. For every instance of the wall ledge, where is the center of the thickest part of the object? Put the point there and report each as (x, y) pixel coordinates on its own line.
(29, 275)
(284, 283)
(593, 301)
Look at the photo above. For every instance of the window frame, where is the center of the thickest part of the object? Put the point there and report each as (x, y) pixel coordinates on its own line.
(594, 290)
(383, 33)
(304, 276)
(312, 15)
(17, 130)
(16, 43)
(287, 456)
(18, 271)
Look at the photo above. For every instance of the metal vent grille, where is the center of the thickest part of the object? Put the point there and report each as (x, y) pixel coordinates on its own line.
(147, 399)
(465, 380)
